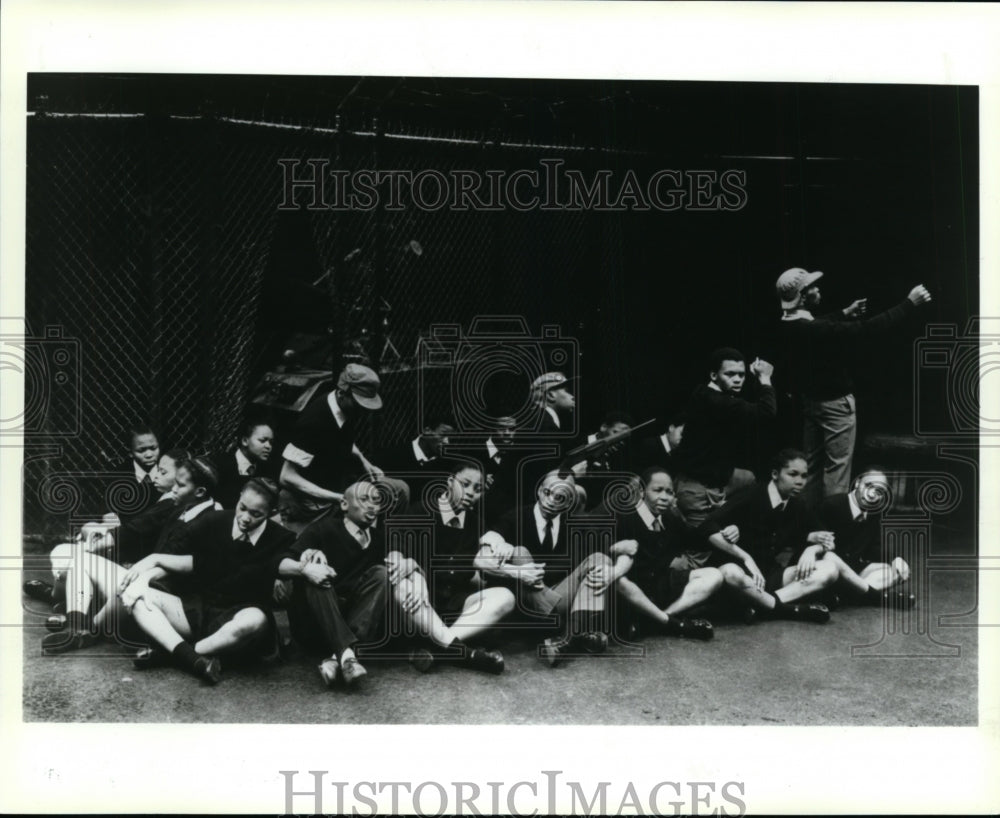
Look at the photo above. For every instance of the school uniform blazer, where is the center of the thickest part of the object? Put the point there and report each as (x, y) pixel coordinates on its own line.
(517, 527)
(657, 549)
(343, 552)
(231, 482)
(227, 573)
(770, 535)
(858, 543)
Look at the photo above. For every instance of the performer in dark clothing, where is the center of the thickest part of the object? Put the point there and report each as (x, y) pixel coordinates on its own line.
(819, 352)
(437, 585)
(341, 586)
(416, 461)
(252, 457)
(322, 457)
(90, 575)
(233, 560)
(661, 450)
(650, 585)
(531, 553)
(762, 530)
(499, 469)
(866, 572)
(719, 423)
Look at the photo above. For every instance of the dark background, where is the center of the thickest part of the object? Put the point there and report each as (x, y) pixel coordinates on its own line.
(154, 238)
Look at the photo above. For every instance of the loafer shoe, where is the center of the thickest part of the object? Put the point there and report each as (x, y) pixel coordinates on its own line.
(690, 628)
(38, 590)
(352, 671)
(490, 661)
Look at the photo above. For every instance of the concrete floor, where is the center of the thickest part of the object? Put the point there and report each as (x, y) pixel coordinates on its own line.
(773, 673)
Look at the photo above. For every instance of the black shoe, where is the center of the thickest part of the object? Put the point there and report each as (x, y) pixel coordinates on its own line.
(594, 642)
(421, 659)
(65, 641)
(748, 615)
(811, 612)
(490, 661)
(208, 669)
(689, 628)
(56, 622)
(59, 608)
(832, 601)
(146, 658)
(39, 591)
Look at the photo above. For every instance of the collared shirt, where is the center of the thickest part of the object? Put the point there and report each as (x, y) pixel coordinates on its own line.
(448, 513)
(141, 475)
(797, 315)
(540, 522)
(243, 463)
(418, 452)
(555, 416)
(856, 513)
(254, 535)
(492, 450)
(194, 511)
(646, 515)
(775, 498)
(362, 535)
(715, 386)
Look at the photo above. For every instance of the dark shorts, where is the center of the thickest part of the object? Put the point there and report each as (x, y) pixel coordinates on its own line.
(664, 589)
(773, 576)
(205, 619)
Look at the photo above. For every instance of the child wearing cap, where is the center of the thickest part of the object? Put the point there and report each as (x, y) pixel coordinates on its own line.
(322, 457)
(818, 352)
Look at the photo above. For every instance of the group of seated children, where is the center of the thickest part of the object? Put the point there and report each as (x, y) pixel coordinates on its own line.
(197, 574)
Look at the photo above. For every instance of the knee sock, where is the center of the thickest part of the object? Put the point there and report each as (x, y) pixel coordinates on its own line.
(187, 657)
(78, 621)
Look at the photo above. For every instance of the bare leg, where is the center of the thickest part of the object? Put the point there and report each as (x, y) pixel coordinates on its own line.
(425, 619)
(702, 583)
(162, 617)
(824, 575)
(742, 583)
(880, 576)
(635, 596)
(482, 610)
(239, 630)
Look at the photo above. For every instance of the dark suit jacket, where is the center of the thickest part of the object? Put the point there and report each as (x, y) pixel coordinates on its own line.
(657, 549)
(770, 536)
(139, 533)
(343, 552)
(228, 573)
(857, 543)
(231, 482)
(517, 527)
(149, 494)
(399, 461)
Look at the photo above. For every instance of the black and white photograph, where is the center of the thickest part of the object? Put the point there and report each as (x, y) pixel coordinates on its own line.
(415, 409)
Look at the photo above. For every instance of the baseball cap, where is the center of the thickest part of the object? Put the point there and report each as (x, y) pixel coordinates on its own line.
(792, 282)
(548, 382)
(363, 384)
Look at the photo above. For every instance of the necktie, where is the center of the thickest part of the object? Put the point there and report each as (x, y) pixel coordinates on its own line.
(547, 543)
(454, 522)
(244, 538)
(657, 524)
(362, 538)
(147, 480)
(251, 470)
